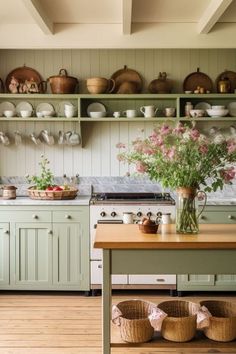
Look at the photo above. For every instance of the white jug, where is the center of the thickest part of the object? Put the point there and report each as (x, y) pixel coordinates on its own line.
(148, 111)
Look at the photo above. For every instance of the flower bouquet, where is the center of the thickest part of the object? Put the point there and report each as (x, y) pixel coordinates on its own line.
(183, 159)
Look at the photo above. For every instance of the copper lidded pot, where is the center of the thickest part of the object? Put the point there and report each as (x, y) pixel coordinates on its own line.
(9, 192)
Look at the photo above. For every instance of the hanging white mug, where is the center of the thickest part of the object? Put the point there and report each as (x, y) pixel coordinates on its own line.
(148, 111)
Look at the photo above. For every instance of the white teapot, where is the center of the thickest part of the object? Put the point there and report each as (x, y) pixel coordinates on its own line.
(148, 111)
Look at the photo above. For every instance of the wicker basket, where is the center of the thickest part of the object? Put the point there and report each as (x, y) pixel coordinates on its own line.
(181, 322)
(134, 324)
(52, 195)
(222, 326)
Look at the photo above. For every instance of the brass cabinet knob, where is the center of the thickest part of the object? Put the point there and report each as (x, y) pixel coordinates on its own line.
(68, 216)
(230, 217)
(34, 216)
(5, 231)
(49, 232)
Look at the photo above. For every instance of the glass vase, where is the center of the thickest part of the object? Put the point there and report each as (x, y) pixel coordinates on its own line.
(187, 211)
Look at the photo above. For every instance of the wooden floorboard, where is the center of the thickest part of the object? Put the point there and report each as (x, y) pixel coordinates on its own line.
(70, 323)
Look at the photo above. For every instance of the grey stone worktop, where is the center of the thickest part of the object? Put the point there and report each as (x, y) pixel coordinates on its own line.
(79, 200)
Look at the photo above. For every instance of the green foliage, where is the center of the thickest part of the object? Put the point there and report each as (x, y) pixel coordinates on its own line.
(45, 179)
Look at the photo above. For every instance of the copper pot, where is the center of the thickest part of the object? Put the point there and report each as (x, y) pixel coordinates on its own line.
(63, 83)
(9, 192)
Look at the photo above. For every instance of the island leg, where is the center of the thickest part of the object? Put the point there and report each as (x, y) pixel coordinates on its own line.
(106, 302)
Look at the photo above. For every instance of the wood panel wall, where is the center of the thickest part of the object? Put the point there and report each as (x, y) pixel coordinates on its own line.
(98, 157)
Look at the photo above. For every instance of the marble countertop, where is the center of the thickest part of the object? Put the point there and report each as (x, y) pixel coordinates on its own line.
(79, 200)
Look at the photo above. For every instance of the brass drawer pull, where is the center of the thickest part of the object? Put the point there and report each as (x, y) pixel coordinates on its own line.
(34, 216)
(160, 279)
(68, 216)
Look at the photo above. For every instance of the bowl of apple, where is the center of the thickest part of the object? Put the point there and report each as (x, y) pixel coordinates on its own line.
(148, 226)
(53, 192)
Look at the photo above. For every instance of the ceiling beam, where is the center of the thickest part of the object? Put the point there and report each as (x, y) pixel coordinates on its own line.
(35, 9)
(127, 16)
(213, 12)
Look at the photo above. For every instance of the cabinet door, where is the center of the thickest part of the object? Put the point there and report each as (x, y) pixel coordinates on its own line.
(70, 255)
(4, 254)
(226, 282)
(195, 282)
(33, 254)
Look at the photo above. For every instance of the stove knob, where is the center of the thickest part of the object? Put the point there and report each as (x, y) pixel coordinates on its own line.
(149, 214)
(102, 214)
(139, 214)
(159, 214)
(113, 214)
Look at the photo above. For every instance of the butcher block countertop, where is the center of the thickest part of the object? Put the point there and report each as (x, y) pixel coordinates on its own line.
(211, 236)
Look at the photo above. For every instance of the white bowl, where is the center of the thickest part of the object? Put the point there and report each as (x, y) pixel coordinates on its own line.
(25, 114)
(8, 114)
(47, 113)
(97, 114)
(197, 113)
(217, 112)
(218, 107)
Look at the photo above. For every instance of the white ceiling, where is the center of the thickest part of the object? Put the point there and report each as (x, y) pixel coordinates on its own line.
(117, 23)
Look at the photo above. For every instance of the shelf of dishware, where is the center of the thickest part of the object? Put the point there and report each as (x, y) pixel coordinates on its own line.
(113, 107)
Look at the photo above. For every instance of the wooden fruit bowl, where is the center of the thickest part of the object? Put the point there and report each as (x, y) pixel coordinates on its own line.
(148, 229)
(52, 195)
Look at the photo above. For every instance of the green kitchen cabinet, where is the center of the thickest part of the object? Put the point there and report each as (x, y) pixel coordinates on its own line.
(70, 239)
(4, 254)
(47, 248)
(215, 214)
(33, 250)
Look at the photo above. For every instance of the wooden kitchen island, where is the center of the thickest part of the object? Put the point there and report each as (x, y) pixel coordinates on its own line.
(127, 250)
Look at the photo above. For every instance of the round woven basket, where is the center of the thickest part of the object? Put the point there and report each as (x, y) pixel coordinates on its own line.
(181, 323)
(52, 195)
(135, 326)
(222, 326)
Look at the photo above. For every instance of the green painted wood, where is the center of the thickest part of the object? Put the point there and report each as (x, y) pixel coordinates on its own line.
(195, 282)
(33, 253)
(4, 254)
(158, 261)
(51, 246)
(70, 243)
(106, 301)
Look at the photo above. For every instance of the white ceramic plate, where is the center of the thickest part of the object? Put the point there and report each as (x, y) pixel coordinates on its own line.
(23, 106)
(44, 106)
(95, 107)
(6, 106)
(202, 105)
(61, 108)
(232, 109)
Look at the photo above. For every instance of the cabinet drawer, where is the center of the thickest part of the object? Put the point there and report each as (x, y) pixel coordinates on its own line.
(219, 217)
(152, 279)
(67, 216)
(26, 216)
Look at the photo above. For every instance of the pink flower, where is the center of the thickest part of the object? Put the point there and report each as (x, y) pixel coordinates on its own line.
(147, 150)
(141, 167)
(228, 174)
(165, 129)
(194, 134)
(203, 149)
(156, 139)
(179, 129)
(170, 153)
(231, 146)
(120, 146)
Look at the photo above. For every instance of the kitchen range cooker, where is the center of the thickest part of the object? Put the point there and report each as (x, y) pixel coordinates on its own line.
(113, 208)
